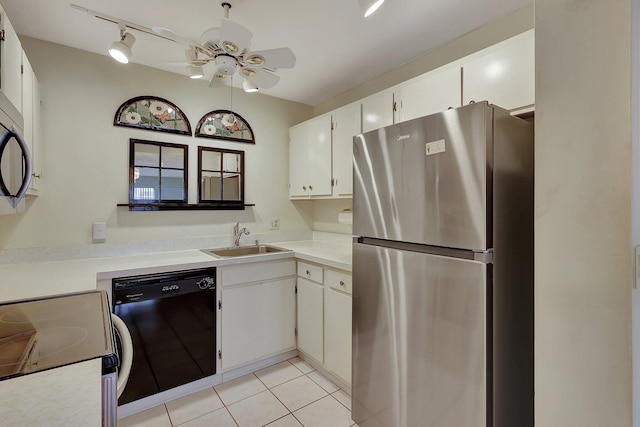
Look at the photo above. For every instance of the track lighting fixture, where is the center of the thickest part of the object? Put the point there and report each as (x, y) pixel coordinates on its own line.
(369, 6)
(121, 50)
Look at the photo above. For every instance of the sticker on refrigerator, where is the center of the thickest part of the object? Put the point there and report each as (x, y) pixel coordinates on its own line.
(435, 147)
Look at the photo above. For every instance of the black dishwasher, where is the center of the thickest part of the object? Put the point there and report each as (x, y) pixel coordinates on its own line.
(172, 320)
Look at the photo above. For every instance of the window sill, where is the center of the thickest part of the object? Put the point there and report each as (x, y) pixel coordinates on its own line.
(228, 206)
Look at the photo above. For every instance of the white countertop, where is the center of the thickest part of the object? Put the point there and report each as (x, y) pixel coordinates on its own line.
(37, 279)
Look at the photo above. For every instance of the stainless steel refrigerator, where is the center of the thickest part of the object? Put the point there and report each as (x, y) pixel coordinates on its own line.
(443, 272)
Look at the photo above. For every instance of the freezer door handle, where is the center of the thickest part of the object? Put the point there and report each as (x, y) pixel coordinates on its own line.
(485, 257)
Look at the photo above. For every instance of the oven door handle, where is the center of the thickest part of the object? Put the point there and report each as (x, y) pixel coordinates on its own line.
(6, 136)
(126, 356)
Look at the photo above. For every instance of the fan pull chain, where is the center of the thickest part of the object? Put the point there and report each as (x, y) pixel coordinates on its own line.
(231, 94)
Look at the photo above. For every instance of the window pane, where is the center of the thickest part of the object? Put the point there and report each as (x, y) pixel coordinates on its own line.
(231, 162)
(211, 160)
(172, 185)
(231, 186)
(147, 155)
(210, 186)
(172, 157)
(146, 185)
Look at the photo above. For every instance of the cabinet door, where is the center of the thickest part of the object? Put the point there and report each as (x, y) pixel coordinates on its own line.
(346, 124)
(320, 156)
(258, 321)
(505, 76)
(37, 145)
(377, 110)
(430, 93)
(310, 325)
(337, 330)
(298, 158)
(30, 102)
(11, 59)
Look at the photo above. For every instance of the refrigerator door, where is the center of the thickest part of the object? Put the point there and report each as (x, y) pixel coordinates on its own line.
(427, 180)
(420, 334)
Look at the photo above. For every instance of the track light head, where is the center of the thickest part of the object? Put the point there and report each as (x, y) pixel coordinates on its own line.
(121, 50)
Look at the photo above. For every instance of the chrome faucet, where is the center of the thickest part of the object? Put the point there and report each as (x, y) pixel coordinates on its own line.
(237, 233)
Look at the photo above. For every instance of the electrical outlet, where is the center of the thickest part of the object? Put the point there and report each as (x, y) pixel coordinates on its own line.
(274, 223)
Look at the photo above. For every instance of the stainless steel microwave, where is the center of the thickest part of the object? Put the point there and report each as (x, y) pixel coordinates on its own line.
(15, 158)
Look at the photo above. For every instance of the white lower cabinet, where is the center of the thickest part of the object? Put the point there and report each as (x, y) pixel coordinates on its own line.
(337, 333)
(324, 317)
(310, 303)
(257, 312)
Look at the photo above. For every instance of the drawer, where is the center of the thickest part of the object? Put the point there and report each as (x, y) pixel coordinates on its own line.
(338, 281)
(258, 272)
(310, 271)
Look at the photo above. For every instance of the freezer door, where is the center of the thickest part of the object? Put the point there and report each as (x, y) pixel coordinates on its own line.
(420, 333)
(426, 180)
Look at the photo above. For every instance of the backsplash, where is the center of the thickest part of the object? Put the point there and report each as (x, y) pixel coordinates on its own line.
(61, 253)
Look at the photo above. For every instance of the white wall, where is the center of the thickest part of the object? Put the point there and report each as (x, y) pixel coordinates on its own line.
(582, 216)
(506, 27)
(86, 158)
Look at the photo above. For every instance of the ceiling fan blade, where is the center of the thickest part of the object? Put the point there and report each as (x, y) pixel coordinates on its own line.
(260, 77)
(234, 38)
(218, 80)
(199, 62)
(168, 34)
(272, 58)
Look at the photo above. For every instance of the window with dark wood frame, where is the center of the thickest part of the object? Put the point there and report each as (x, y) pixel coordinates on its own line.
(157, 173)
(221, 177)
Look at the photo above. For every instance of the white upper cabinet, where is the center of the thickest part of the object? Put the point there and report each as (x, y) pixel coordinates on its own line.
(429, 93)
(346, 124)
(310, 158)
(504, 75)
(320, 156)
(378, 110)
(298, 159)
(10, 61)
(32, 121)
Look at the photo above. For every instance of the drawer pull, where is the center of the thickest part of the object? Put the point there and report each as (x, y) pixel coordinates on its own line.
(308, 273)
(341, 283)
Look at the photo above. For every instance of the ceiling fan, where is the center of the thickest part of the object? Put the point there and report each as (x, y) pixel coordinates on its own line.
(228, 48)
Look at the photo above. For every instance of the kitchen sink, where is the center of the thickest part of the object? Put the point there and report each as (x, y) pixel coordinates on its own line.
(237, 251)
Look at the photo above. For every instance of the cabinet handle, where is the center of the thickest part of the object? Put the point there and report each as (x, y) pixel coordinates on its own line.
(304, 187)
(341, 283)
(308, 273)
(310, 188)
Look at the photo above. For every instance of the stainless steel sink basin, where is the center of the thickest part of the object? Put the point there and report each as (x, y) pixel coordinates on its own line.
(243, 251)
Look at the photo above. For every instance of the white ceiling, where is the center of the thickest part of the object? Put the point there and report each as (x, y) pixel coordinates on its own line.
(336, 48)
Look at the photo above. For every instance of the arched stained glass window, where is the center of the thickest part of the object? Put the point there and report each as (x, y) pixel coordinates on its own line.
(152, 113)
(225, 124)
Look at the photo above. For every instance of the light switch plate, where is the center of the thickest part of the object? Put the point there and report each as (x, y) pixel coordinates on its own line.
(99, 231)
(274, 223)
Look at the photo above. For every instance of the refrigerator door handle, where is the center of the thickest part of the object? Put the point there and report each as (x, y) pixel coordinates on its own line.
(485, 257)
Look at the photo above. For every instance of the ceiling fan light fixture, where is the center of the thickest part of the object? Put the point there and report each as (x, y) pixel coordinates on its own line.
(249, 86)
(195, 71)
(226, 65)
(121, 50)
(249, 73)
(230, 47)
(369, 6)
(256, 60)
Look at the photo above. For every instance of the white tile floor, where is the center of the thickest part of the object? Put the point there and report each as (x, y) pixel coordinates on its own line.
(289, 394)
